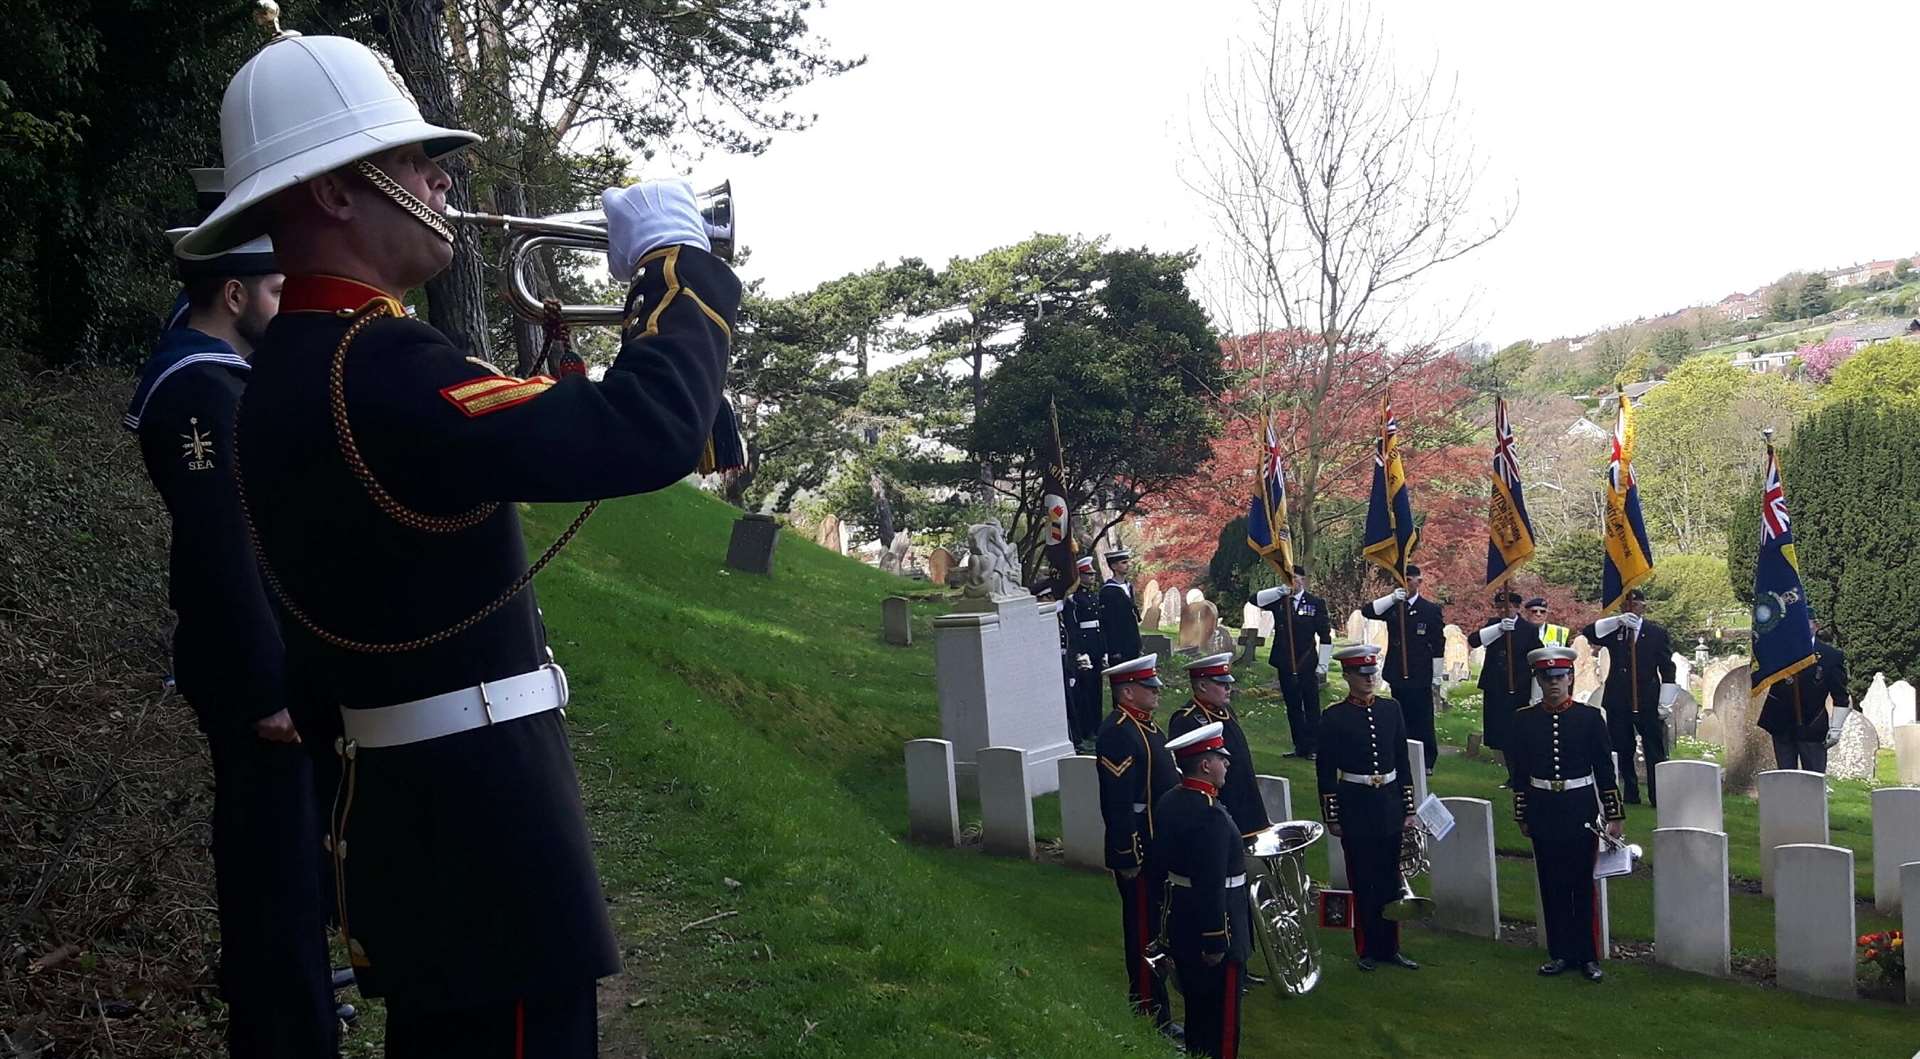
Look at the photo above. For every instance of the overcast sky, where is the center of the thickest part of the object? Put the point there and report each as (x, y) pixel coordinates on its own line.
(1663, 154)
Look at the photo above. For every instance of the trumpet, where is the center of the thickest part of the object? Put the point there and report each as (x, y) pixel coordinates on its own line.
(1615, 845)
(582, 230)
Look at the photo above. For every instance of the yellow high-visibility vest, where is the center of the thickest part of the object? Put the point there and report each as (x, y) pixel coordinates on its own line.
(1555, 635)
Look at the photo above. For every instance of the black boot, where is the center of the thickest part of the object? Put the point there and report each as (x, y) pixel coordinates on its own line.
(1553, 967)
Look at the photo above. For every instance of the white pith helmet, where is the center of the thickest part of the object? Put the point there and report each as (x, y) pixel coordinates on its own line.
(301, 107)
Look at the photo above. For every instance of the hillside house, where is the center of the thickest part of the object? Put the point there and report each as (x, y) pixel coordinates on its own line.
(1738, 306)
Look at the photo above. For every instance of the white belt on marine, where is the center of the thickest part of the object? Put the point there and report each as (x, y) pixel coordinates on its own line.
(487, 703)
(1562, 785)
(1089, 625)
(1370, 779)
(1232, 880)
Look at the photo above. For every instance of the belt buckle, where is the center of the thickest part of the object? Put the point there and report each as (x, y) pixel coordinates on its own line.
(1559, 785)
(486, 703)
(1377, 780)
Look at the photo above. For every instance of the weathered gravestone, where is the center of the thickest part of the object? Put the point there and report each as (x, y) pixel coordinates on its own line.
(1356, 628)
(1902, 695)
(1906, 753)
(1459, 657)
(1151, 597)
(1896, 841)
(1683, 671)
(1264, 621)
(1857, 754)
(1276, 794)
(1712, 674)
(1749, 748)
(1377, 634)
(829, 535)
(1689, 795)
(1586, 672)
(1006, 811)
(1692, 924)
(1712, 729)
(1083, 832)
(1150, 618)
(1197, 623)
(1466, 890)
(1194, 595)
(1685, 719)
(1249, 646)
(1157, 643)
(751, 548)
(1877, 707)
(940, 565)
(933, 811)
(997, 675)
(1171, 609)
(1813, 920)
(1793, 811)
(896, 620)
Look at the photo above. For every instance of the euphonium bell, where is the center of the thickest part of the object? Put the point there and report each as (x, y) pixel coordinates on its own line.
(1283, 904)
(1414, 861)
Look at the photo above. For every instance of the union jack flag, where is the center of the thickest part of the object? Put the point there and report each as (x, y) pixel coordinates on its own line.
(1773, 504)
(1620, 467)
(1509, 530)
(1267, 532)
(1782, 621)
(1506, 462)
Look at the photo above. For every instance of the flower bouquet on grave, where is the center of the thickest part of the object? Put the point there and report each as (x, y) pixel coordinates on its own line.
(1886, 951)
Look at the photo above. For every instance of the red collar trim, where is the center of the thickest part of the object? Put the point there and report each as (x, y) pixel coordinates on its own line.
(332, 294)
(1367, 702)
(1194, 783)
(1143, 716)
(1562, 708)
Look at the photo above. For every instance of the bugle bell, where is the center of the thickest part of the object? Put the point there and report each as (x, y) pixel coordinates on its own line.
(1414, 861)
(582, 230)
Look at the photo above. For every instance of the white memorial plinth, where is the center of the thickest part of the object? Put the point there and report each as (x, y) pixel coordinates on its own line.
(997, 672)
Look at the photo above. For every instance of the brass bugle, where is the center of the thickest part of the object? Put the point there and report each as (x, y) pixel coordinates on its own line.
(582, 230)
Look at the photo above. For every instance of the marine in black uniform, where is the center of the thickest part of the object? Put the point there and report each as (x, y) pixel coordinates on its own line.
(228, 663)
(380, 467)
(1560, 764)
(1366, 798)
(1300, 625)
(1212, 703)
(1119, 619)
(1086, 654)
(1640, 675)
(1416, 644)
(1504, 680)
(1208, 927)
(1795, 714)
(1135, 770)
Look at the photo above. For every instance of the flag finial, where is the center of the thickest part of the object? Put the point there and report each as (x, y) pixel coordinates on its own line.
(1767, 433)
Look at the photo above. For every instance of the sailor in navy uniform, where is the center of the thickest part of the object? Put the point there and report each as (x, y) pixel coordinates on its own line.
(1209, 924)
(1416, 653)
(1507, 637)
(1366, 798)
(228, 661)
(1212, 704)
(1086, 654)
(1300, 625)
(1640, 683)
(380, 470)
(1560, 764)
(1119, 620)
(1135, 770)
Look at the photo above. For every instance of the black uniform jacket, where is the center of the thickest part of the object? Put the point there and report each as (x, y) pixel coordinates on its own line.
(1365, 739)
(1119, 622)
(228, 661)
(1194, 840)
(1135, 770)
(1416, 635)
(468, 875)
(1241, 793)
(1298, 620)
(1636, 665)
(1797, 706)
(1505, 668)
(1081, 610)
(1561, 746)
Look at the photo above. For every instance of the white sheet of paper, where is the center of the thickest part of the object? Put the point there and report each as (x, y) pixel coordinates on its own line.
(1611, 862)
(1435, 817)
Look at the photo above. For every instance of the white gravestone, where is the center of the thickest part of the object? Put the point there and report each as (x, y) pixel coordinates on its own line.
(1683, 671)
(1857, 755)
(1356, 628)
(1813, 925)
(1459, 657)
(1151, 597)
(1171, 607)
(1685, 720)
(1006, 810)
(1692, 926)
(1083, 832)
(1336, 863)
(997, 673)
(1877, 706)
(1902, 695)
(1906, 753)
(1264, 622)
(933, 813)
(1466, 889)
(1793, 811)
(1377, 635)
(1194, 595)
(1692, 795)
(1896, 841)
(1276, 794)
(1250, 616)
(1417, 757)
(1910, 919)
(896, 620)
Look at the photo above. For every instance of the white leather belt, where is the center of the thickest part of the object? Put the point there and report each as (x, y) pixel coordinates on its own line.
(1232, 880)
(1368, 779)
(491, 702)
(1562, 785)
(1139, 807)
(1089, 625)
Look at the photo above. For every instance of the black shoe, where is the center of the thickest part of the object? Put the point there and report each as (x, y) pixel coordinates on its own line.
(346, 1013)
(1174, 1032)
(1365, 963)
(1553, 967)
(1399, 959)
(1591, 971)
(342, 978)
(1633, 799)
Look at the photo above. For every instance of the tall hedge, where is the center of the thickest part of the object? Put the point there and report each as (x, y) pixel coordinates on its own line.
(1852, 477)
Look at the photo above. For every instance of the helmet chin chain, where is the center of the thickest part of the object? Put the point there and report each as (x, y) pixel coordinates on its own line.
(405, 199)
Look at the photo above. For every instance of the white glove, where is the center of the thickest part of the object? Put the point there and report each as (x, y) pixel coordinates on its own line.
(1604, 627)
(1400, 595)
(1321, 669)
(1380, 605)
(644, 217)
(1507, 624)
(1837, 726)
(1495, 631)
(1631, 621)
(1669, 694)
(1267, 595)
(1083, 661)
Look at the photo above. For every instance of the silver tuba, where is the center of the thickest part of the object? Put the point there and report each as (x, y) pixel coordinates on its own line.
(1284, 915)
(1414, 862)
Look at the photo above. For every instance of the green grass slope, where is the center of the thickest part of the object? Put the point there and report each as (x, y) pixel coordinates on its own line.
(739, 739)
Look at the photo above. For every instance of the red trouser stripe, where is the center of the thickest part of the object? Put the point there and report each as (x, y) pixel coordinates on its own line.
(1230, 1015)
(1597, 954)
(1359, 934)
(520, 1029)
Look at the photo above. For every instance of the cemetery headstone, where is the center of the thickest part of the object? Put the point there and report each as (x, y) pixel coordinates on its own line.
(1336, 863)
(1686, 715)
(1466, 890)
(1683, 671)
(933, 812)
(1896, 841)
(1857, 754)
(940, 565)
(1157, 643)
(750, 550)
(1194, 595)
(1417, 754)
(1248, 647)
(1197, 624)
(1376, 632)
(1264, 621)
(1250, 616)
(1877, 707)
(896, 619)
(1902, 695)
(1692, 924)
(1276, 795)
(1151, 596)
(1585, 669)
(1910, 919)
(1749, 747)
(1356, 628)
(1459, 657)
(1712, 674)
(1793, 811)
(1083, 832)
(1150, 618)
(1712, 729)
(829, 535)
(1906, 753)
(1813, 923)
(1689, 795)
(997, 675)
(1171, 608)
(1006, 811)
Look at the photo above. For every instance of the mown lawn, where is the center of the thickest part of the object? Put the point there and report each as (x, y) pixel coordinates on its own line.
(739, 739)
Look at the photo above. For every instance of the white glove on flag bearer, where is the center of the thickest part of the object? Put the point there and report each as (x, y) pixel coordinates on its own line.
(1837, 726)
(645, 217)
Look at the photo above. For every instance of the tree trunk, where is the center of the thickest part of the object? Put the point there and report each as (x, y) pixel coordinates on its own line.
(415, 34)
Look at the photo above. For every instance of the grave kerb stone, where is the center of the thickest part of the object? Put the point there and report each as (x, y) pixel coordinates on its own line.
(1910, 919)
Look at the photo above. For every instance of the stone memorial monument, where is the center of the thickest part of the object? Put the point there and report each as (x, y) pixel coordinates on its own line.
(1586, 669)
(1150, 597)
(1197, 623)
(1356, 628)
(896, 620)
(1896, 841)
(1276, 794)
(1910, 919)
(1171, 609)
(1749, 749)
(1150, 618)
(830, 535)
(1902, 695)
(1194, 595)
(1459, 657)
(751, 548)
(1877, 707)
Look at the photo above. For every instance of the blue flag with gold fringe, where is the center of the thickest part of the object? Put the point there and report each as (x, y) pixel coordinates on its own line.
(1629, 558)
(1782, 623)
(1390, 534)
(1509, 530)
(1267, 532)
